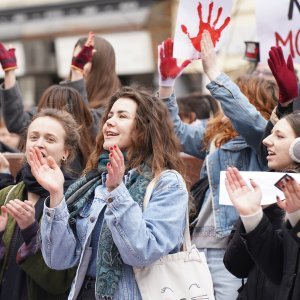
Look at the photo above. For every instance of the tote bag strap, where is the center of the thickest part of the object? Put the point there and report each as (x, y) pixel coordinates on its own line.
(187, 244)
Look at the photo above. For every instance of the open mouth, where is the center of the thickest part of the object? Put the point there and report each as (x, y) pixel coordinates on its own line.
(110, 133)
(271, 153)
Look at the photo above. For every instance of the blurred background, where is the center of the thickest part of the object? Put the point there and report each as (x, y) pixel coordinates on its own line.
(44, 34)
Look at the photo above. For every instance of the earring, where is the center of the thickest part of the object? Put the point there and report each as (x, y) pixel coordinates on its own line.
(63, 158)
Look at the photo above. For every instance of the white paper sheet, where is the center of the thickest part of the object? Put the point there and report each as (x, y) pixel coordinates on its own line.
(265, 180)
(189, 17)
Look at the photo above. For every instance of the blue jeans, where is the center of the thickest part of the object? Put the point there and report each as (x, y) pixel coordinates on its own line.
(225, 284)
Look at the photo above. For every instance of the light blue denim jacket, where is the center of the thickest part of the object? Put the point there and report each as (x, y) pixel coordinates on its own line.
(141, 237)
(240, 152)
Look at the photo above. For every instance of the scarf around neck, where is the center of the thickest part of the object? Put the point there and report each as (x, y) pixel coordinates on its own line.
(33, 186)
(109, 262)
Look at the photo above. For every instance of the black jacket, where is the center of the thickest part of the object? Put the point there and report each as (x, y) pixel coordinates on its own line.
(277, 255)
(239, 262)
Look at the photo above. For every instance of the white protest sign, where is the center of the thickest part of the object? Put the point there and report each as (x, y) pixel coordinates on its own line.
(195, 16)
(278, 24)
(265, 180)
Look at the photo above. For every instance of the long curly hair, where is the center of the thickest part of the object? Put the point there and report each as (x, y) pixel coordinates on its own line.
(153, 138)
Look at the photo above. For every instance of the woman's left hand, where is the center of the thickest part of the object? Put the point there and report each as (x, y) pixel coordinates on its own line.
(116, 168)
(22, 212)
(291, 191)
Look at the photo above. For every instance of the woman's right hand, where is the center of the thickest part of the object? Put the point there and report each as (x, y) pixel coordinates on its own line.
(245, 200)
(48, 174)
(3, 218)
(209, 57)
(22, 211)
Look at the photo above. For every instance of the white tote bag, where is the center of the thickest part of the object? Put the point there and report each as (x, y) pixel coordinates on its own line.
(182, 275)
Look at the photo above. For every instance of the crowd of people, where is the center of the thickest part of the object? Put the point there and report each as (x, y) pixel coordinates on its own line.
(73, 223)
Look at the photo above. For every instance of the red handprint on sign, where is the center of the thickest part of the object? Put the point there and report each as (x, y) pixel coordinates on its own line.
(214, 32)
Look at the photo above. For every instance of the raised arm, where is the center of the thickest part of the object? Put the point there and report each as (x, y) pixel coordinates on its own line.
(15, 117)
(243, 115)
(81, 61)
(169, 70)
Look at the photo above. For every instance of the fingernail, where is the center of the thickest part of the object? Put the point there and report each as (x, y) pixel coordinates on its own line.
(111, 148)
(115, 146)
(110, 155)
(277, 198)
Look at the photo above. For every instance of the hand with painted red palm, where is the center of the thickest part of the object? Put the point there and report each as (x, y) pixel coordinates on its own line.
(211, 28)
(168, 67)
(284, 74)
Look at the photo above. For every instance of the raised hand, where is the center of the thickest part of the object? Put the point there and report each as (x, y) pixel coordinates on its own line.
(291, 190)
(245, 200)
(8, 58)
(22, 212)
(168, 66)
(46, 172)
(115, 168)
(284, 74)
(209, 57)
(3, 218)
(211, 28)
(85, 55)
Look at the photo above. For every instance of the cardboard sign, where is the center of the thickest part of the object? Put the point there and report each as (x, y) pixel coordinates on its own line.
(278, 24)
(193, 18)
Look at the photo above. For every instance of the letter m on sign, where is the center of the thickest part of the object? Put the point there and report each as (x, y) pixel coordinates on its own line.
(291, 8)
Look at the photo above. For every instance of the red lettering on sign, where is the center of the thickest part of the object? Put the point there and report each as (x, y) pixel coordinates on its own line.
(285, 42)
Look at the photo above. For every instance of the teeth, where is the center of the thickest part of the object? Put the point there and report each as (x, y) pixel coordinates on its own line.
(111, 134)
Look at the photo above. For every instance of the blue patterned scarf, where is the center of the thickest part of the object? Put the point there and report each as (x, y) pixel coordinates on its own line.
(109, 262)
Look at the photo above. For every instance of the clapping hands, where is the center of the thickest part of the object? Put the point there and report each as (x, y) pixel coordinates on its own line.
(115, 168)
(291, 190)
(245, 200)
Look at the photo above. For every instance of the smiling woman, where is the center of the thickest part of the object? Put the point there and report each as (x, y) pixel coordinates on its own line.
(120, 121)
(262, 230)
(279, 143)
(55, 134)
(102, 213)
